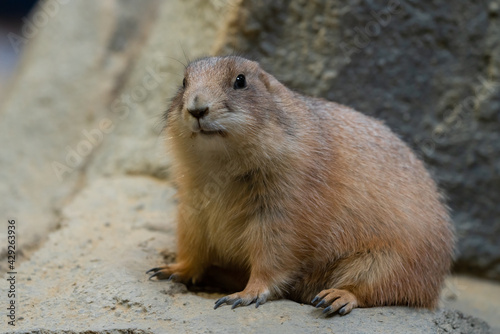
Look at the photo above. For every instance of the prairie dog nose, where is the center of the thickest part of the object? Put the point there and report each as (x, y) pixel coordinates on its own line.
(198, 106)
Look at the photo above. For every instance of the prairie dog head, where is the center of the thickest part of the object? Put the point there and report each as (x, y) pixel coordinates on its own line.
(225, 102)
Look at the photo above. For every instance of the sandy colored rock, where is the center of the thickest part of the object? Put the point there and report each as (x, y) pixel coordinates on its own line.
(89, 276)
(88, 98)
(477, 297)
(60, 92)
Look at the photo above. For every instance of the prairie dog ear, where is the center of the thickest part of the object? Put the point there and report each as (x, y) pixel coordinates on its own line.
(269, 81)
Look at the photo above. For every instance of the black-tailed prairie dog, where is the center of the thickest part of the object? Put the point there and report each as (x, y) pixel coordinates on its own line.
(308, 199)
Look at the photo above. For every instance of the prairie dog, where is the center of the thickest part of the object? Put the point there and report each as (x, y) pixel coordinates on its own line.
(310, 200)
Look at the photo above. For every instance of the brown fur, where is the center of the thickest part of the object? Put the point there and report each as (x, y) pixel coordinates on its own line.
(302, 195)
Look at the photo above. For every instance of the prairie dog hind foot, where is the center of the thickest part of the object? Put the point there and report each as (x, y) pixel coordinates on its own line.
(335, 300)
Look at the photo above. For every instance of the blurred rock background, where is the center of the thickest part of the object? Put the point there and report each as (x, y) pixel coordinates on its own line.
(84, 105)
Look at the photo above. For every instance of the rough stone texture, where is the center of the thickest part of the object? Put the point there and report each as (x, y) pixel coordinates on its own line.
(430, 69)
(89, 277)
(477, 297)
(456, 322)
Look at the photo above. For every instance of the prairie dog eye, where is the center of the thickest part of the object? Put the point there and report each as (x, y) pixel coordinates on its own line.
(240, 82)
(184, 83)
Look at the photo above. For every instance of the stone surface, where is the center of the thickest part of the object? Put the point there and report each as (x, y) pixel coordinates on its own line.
(477, 297)
(430, 70)
(60, 91)
(90, 276)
